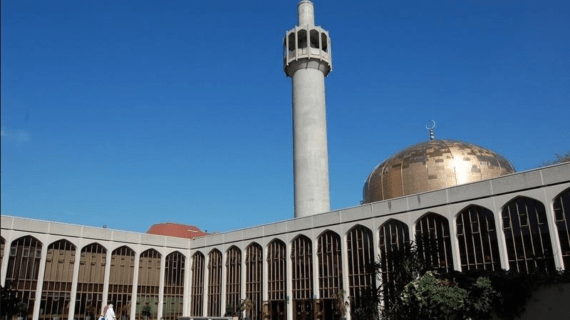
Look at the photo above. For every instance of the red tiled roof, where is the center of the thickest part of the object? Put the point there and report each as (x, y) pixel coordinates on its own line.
(176, 230)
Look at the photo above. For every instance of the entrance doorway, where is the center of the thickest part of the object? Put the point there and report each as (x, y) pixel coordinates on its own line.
(330, 311)
(303, 309)
(277, 310)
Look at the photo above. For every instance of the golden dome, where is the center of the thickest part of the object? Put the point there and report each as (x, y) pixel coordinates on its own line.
(432, 165)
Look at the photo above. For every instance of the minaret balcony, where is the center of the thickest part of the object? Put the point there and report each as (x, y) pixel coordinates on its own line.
(309, 42)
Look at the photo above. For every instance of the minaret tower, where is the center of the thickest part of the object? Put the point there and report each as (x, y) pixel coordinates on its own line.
(307, 60)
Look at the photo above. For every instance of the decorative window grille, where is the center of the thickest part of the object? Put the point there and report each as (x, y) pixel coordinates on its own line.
(434, 242)
(254, 279)
(91, 280)
(214, 283)
(361, 272)
(22, 272)
(330, 265)
(477, 239)
(277, 270)
(302, 265)
(198, 265)
(173, 298)
(233, 279)
(527, 236)
(562, 218)
(58, 279)
(394, 235)
(121, 280)
(148, 283)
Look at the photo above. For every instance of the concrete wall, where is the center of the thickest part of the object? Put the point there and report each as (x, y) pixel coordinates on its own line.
(541, 184)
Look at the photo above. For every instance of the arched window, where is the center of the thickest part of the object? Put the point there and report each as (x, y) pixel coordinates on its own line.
(214, 283)
(302, 39)
(23, 268)
(324, 42)
(198, 265)
(314, 38)
(477, 238)
(562, 216)
(58, 279)
(277, 278)
(291, 41)
(91, 280)
(330, 265)
(361, 273)
(254, 279)
(148, 284)
(121, 280)
(233, 280)
(434, 243)
(527, 236)
(173, 286)
(302, 277)
(394, 235)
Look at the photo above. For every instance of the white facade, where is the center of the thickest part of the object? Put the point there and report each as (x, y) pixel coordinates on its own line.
(543, 185)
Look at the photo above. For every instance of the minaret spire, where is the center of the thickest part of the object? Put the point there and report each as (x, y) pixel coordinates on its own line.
(307, 60)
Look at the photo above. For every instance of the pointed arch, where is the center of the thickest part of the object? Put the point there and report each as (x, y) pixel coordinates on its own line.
(302, 265)
(434, 242)
(121, 280)
(276, 270)
(148, 284)
(329, 254)
(197, 295)
(527, 236)
(173, 297)
(561, 206)
(58, 280)
(254, 279)
(91, 280)
(394, 236)
(477, 238)
(233, 279)
(361, 273)
(23, 268)
(214, 283)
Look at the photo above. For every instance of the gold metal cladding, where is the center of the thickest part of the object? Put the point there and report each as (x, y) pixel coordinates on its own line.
(433, 165)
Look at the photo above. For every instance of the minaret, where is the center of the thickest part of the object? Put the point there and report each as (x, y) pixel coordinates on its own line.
(307, 60)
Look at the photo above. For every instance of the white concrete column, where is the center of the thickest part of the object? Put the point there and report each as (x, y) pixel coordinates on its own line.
(223, 300)
(134, 293)
(265, 275)
(315, 268)
(40, 283)
(206, 284)
(73, 293)
(345, 281)
(187, 285)
(306, 13)
(161, 286)
(453, 239)
(376, 252)
(553, 230)
(310, 153)
(243, 280)
(289, 279)
(107, 275)
(501, 241)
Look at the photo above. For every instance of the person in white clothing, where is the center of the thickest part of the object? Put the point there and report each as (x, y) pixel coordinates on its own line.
(110, 315)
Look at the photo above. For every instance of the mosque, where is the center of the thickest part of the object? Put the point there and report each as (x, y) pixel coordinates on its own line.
(483, 214)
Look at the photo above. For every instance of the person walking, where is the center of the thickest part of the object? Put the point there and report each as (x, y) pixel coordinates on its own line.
(110, 315)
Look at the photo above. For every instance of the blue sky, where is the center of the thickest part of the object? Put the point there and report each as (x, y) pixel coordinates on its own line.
(129, 113)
